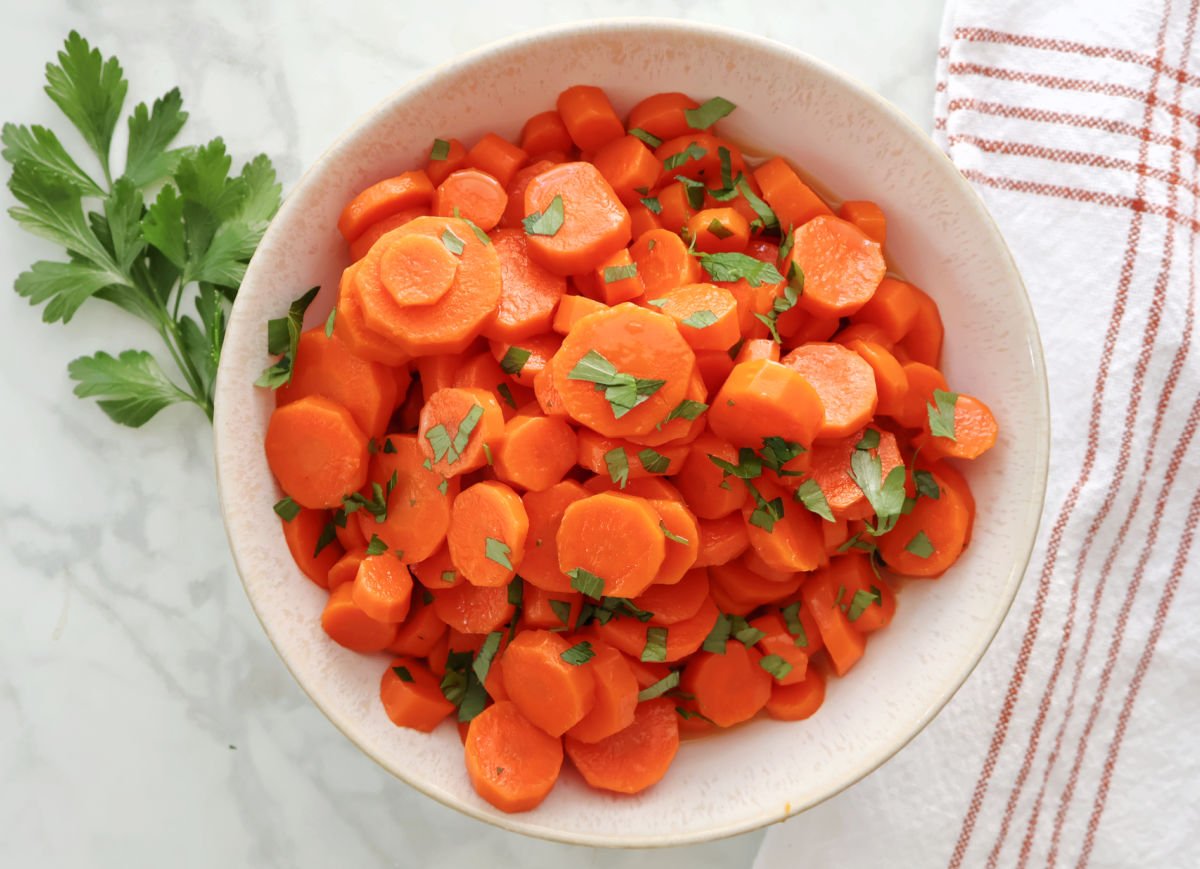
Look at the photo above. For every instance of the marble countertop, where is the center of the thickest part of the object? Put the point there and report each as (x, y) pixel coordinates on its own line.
(144, 718)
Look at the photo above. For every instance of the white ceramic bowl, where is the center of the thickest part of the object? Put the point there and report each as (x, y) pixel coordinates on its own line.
(939, 235)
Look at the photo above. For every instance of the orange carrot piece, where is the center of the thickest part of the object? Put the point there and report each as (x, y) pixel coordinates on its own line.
(729, 688)
(589, 117)
(795, 541)
(922, 381)
(841, 266)
(679, 431)
(824, 599)
(721, 540)
(952, 478)
(664, 262)
(844, 382)
(642, 219)
(708, 492)
(928, 540)
(704, 164)
(514, 211)
(572, 309)
(863, 332)
(975, 432)
(616, 696)
(714, 367)
(835, 533)
(675, 209)
(473, 609)
(662, 115)
(683, 638)
(541, 350)
(627, 164)
(797, 702)
(738, 583)
(547, 395)
(867, 216)
(545, 132)
(383, 199)
(872, 603)
(891, 383)
(551, 691)
(372, 234)
(437, 571)
(512, 763)
(615, 537)
(437, 372)
(706, 315)
(481, 371)
(593, 450)
(412, 696)
(617, 279)
(417, 635)
(488, 527)
(545, 511)
(765, 399)
(892, 307)
(417, 269)
(455, 159)
(651, 488)
(345, 568)
(351, 327)
(529, 292)
(830, 468)
(923, 343)
(383, 588)
(302, 534)
(474, 195)
(350, 627)
(497, 157)
(675, 603)
(758, 348)
(777, 640)
(594, 226)
(678, 525)
(793, 201)
(535, 452)
(719, 230)
(537, 610)
(635, 758)
(316, 451)
(446, 416)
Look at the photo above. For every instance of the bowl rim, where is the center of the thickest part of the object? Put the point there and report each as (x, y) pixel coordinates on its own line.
(1039, 428)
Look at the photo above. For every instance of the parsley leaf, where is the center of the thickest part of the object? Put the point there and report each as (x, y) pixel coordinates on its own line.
(651, 140)
(686, 409)
(869, 440)
(440, 150)
(654, 462)
(329, 323)
(287, 509)
(453, 243)
(767, 513)
(656, 645)
(941, 413)
(624, 392)
(514, 360)
(809, 494)
(739, 266)
(717, 637)
(777, 452)
(376, 546)
(795, 627)
(562, 610)
(700, 319)
(90, 91)
(886, 497)
(718, 229)
(612, 274)
(861, 600)
(926, 484)
(775, 665)
(765, 215)
(578, 654)
(704, 116)
(547, 222)
(691, 152)
(655, 207)
(586, 583)
(617, 463)
(671, 535)
(659, 688)
(497, 551)
(402, 674)
(920, 546)
(486, 654)
(132, 387)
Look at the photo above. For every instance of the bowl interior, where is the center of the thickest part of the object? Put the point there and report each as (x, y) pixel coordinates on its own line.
(938, 235)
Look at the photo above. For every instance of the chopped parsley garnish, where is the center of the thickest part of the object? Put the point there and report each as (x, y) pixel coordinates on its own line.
(624, 392)
(775, 665)
(920, 546)
(612, 274)
(578, 654)
(671, 535)
(861, 600)
(287, 509)
(650, 139)
(653, 461)
(659, 688)
(450, 449)
(869, 440)
(487, 652)
(562, 610)
(700, 319)
(926, 484)
(586, 583)
(547, 222)
(506, 395)
(376, 546)
(617, 463)
(327, 535)
(440, 150)
(655, 207)
(941, 413)
(810, 495)
(704, 116)
(329, 323)
(739, 266)
(514, 360)
(691, 152)
(656, 645)
(781, 305)
(777, 452)
(283, 336)
(389, 448)
(718, 636)
(694, 190)
(767, 513)
(402, 674)
(497, 551)
(719, 229)
(795, 627)
(449, 575)
(453, 243)
(886, 497)
(686, 409)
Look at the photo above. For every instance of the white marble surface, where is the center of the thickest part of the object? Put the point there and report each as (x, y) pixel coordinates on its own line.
(144, 718)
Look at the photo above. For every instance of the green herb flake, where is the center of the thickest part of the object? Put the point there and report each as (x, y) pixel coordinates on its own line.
(497, 551)
(449, 575)
(486, 654)
(402, 674)
(671, 535)
(612, 274)
(739, 266)
(686, 409)
(586, 583)
(578, 654)
(444, 486)
(691, 152)
(777, 452)
(941, 413)
(329, 323)
(700, 319)
(786, 243)
(767, 513)
(439, 440)
(617, 463)
(795, 627)
(810, 495)
(453, 243)
(440, 150)
(861, 600)
(506, 395)
(659, 688)
(743, 632)
(775, 665)
(376, 546)
(327, 535)
(659, 303)
(719, 229)
(562, 610)
(464, 431)
(926, 484)
(547, 222)
(514, 360)
(653, 461)
(655, 207)
(516, 591)
(920, 546)
(487, 455)
(718, 637)
(624, 392)
(886, 497)
(748, 467)
(704, 116)
(656, 645)
(869, 440)
(695, 192)
(287, 509)
(766, 217)
(648, 138)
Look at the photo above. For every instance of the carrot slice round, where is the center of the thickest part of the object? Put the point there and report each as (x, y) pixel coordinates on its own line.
(473, 195)
(844, 382)
(383, 588)
(488, 527)
(302, 534)
(706, 315)
(316, 451)
(943, 522)
(763, 399)
(545, 132)
(841, 266)
(709, 493)
(418, 511)
(351, 327)
(616, 700)
(722, 540)
(797, 702)
(382, 200)
(975, 432)
(511, 763)
(615, 537)
(545, 511)
(448, 414)
(678, 525)
(529, 293)
(594, 226)
(473, 609)
(589, 117)
(632, 759)
(417, 270)
(420, 632)
(664, 262)
(683, 638)
(675, 603)
(550, 691)
(350, 627)
(729, 688)
(662, 115)
(536, 452)
(412, 696)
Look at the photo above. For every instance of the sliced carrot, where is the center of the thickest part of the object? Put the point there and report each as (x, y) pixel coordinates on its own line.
(497, 157)
(455, 641)
(646, 672)
(893, 308)
(923, 380)
(739, 583)
(351, 327)
(675, 208)
(741, 204)
(545, 511)
(662, 115)
(642, 219)
(473, 609)
(473, 195)
(545, 132)
(763, 399)
(632, 759)
(928, 540)
(614, 537)
(794, 541)
(420, 632)
(438, 570)
(594, 452)
(975, 432)
(729, 688)
(350, 627)
(455, 158)
(679, 431)
(616, 696)
(551, 691)
(481, 371)
(302, 534)
(841, 266)
(511, 763)
(758, 348)
(721, 540)
(316, 451)
(700, 154)
(651, 488)
(678, 525)
(617, 279)
(535, 452)
(372, 234)
(831, 469)
(706, 315)
(538, 608)
(799, 327)
(683, 638)
(825, 599)
(891, 383)
(753, 562)
(345, 568)
(675, 603)
(594, 225)
(714, 367)
(835, 533)
(719, 230)
(867, 216)
(871, 601)
(514, 211)
(541, 349)
(629, 166)
(639, 343)
(418, 510)
(447, 416)
(664, 262)
(488, 527)
(923, 343)
(572, 309)
(411, 695)
(383, 199)
(797, 702)
(383, 588)
(437, 372)
(547, 395)
(863, 332)
(793, 201)
(589, 117)
(708, 491)
(844, 382)
(777, 640)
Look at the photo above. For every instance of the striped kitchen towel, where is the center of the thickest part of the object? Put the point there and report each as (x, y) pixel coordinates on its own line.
(1073, 744)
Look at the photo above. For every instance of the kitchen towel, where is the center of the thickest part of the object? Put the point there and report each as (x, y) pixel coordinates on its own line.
(1073, 744)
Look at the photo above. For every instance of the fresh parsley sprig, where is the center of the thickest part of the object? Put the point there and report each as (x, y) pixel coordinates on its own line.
(173, 226)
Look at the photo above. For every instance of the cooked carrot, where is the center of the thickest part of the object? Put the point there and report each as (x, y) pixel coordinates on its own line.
(700, 154)
(372, 234)
(545, 132)
(420, 632)
(714, 367)
(928, 540)
(514, 211)
(303, 534)
(678, 525)
(497, 157)
(867, 216)
(617, 279)
(799, 327)
(830, 468)
(758, 348)
(923, 381)
(572, 309)
(765, 399)
(482, 371)
(893, 308)
(383, 199)
(473, 195)
(589, 117)
(545, 511)
(708, 491)
(646, 673)
(675, 208)
(975, 432)
(683, 638)
(662, 115)
(891, 383)
(632, 759)
(488, 526)
(547, 395)
(473, 609)
(651, 488)
(453, 159)
(950, 476)
(456, 424)
(797, 702)
(438, 570)
(511, 763)
(825, 600)
(642, 219)
(437, 372)
(706, 315)
(316, 451)
(793, 201)
(675, 603)
(841, 266)
(453, 321)
(614, 537)
(629, 166)
(418, 510)
(679, 431)
(383, 588)
(844, 382)
(727, 603)
(546, 683)
(664, 262)
(777, 640)
(349, 626)
(721, 540)
(742, 205)
(412, 696)
(416, 269)
(593, 225)
(351, 327)
(594, 452)
(729, 688)
(739, 583)
(835, 533)
(923, 343)
(616, 696)
(719, 230)
(794, 541)
(754, 563)
(345, 568)
(545, 609)
(871, 603)
(858, 331)
(638, 343)
(535, 452)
